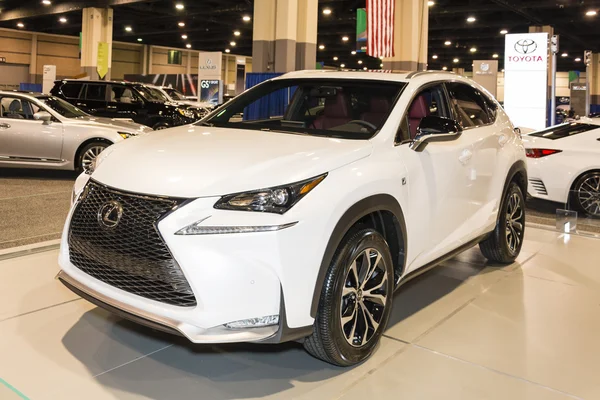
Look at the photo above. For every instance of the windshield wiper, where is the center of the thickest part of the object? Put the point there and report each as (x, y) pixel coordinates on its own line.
(204, 123)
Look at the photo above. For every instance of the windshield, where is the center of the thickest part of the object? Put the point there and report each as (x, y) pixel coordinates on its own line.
(175, 94)
(149, 94)
(62, 107)
(348, 109)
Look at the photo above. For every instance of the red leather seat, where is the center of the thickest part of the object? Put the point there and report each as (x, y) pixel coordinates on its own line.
(379, 108)
(418, 110)
(335, 113)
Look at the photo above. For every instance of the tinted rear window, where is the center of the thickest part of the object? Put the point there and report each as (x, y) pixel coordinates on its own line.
(564, 130)
(71, 90)
(95, 92)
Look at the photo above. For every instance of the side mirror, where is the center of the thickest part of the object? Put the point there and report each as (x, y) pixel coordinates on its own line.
(43, 116)
(435, 129)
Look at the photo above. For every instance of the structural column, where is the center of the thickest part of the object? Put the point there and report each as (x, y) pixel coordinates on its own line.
(594, 80)
(306, 36)
(97, 28)
(263, 36)
(550, 31)
(33, 60)
(411, 25)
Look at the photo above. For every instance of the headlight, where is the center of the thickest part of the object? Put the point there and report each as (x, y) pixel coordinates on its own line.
(186, 113)
(275, 200)
(126, 135)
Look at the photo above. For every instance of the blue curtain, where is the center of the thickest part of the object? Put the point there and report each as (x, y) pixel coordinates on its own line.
(268, 106)
(30, 87)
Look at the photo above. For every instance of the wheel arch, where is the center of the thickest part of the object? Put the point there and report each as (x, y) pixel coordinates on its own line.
(381, 212)
(517, 173)
(85, 143)
(579, 176)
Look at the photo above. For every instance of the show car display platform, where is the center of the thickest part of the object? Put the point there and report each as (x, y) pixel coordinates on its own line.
(524, 331)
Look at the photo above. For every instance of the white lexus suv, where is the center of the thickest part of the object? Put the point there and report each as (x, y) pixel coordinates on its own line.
(300, 220)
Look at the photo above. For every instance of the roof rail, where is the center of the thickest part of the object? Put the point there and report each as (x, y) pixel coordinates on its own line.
(414, 74)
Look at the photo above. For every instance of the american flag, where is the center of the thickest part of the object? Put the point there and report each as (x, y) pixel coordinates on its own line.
(380, 28)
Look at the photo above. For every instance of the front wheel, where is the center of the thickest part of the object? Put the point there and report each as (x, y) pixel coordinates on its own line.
(160, 126)
(356, 300)
(505, 242)
(88, 154)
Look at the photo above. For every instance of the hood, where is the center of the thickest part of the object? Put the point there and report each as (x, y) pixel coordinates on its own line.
(198, 161)
(125, 125)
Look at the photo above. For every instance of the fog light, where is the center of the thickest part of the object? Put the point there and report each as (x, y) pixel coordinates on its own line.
(254, 322)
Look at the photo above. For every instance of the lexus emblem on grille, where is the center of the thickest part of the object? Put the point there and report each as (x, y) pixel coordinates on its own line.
(109, 215)
(525, 46)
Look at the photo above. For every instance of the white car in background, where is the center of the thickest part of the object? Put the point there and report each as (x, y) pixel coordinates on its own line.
(564, 164)
(297, 222)
(176, 97)
(43, 131)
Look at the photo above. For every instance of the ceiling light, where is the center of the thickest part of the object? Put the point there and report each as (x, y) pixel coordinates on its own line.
(353, 52)
(360, 61)
(184, 36)
(577, 59)
(62, 20)
(434, 56)
(246, 18)
(365, 68)
(326, 11)
(232, 44)
(495, 55)
(128, 28)
(227, 51)
(502, 70)
(236, 33)
(455, 60)
(182, 24)
(21, 25)
(179, 6)
(46, 2)
(345, 38)
(444, 68)
(473, 49)
(430, 3)
(140, 39)
(321, 46)
(503, 32)
(591, 13)
(335, 58)
(189, 46)
(564, 55)
(342, 65)
(447, 43)
(471, 19)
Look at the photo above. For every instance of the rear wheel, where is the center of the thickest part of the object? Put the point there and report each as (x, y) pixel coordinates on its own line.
(356, 300)
(88, 154)
(505, 242)
(586, 193)
(160, 126)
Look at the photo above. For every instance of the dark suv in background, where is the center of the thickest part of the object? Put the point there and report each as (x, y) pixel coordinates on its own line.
(122, 100)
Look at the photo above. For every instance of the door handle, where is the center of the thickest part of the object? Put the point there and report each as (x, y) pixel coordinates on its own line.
(465, 156)
(502, 140)
(4, 126)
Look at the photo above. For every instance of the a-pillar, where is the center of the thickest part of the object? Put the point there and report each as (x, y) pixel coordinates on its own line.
(306, 38)
(411, 25)
(97, 27)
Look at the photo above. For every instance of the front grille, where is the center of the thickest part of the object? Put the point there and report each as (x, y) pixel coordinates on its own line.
(130, 255)
(539, 186)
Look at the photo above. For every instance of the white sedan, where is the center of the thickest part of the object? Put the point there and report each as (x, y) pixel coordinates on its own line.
(564, 164)
(42, 131)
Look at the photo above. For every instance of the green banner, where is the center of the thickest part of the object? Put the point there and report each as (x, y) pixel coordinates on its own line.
(361, 29)
(102, 64)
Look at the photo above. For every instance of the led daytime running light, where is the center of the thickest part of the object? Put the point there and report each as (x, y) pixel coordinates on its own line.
(197, 229)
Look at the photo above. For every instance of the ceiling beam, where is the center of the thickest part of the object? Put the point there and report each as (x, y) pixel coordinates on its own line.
(28, 12)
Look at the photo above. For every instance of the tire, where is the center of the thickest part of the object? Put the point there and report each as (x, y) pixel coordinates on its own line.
(505, 242)
(87, 154)
(160, 126)
(586, 193)
(344, 298)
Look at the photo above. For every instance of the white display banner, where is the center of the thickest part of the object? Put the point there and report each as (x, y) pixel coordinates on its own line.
(48, 78)
(209, 65)
(526, 79)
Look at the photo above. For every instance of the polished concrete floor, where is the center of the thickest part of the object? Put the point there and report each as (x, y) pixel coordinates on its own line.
(465, 330)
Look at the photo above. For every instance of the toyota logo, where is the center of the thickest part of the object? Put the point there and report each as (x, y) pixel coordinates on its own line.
(484, 67)
(109, 215)
(525, 46)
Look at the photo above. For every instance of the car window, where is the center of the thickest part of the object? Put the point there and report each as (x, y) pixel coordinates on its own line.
(123, 94)
(16, 108)
(430, 101)
(175, 95)
(350, 109)
(95, 92)
(71, 90)
(564, 130)
(469, 104)
(62, 107)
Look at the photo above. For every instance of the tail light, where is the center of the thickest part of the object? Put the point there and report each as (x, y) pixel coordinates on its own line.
(539, 153)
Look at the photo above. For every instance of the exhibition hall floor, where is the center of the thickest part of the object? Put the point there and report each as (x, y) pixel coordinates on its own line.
(464, 330)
